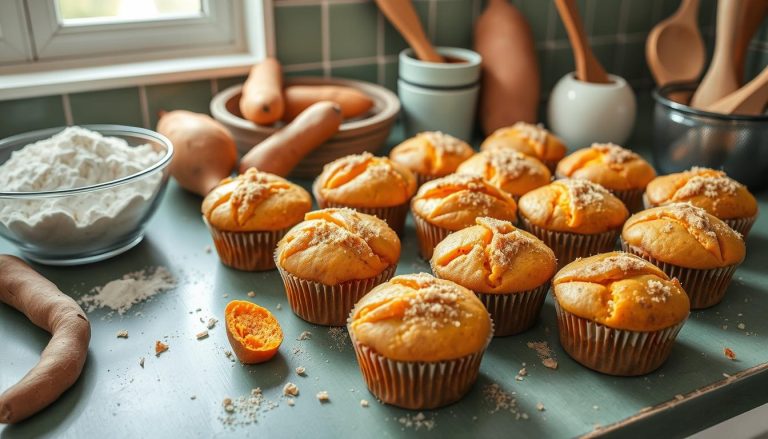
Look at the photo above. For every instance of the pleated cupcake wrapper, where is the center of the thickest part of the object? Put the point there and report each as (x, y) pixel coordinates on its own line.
(570, 246)
(423, 178)
(705, 288)
(429, 235)
(551, 164)
(614, 351)
(417, 385)
(514, 313)
(328, 305)
(742, 225)
(393, 215)
(632, 198)
(247, 251)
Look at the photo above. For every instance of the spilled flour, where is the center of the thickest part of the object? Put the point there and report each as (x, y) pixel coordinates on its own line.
(121, 294)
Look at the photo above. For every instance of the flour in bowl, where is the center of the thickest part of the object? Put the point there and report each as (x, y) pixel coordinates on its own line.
(74, 158)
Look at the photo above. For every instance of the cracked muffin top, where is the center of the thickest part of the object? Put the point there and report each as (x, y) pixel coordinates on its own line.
(509, 170)
(432, 153)
(621, 291)
(529, 139)
(609, 165)
(494, 256)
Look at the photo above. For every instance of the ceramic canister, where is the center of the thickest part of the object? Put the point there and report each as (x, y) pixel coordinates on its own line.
(439, 96)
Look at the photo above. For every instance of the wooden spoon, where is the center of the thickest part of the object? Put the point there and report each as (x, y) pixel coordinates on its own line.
(588, 68)
(753, 14)
(674, 49)
(402, 15)
(721, 79)
(749, 99)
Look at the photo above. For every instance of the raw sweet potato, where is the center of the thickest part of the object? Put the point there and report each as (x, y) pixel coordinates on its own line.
(352, 101)
(262, 99)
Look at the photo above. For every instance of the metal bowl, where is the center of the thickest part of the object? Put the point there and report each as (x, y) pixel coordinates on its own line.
(685, 137)
(55, 238)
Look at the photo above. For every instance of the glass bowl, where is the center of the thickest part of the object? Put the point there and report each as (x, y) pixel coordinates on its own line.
(46, 233)
(685, 137)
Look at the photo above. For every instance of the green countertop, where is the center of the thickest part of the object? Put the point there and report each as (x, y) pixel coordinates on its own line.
(180, 393)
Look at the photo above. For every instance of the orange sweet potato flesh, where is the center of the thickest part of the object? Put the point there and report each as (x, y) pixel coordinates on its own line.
(352, 101)
(253, 332)
(62, 360)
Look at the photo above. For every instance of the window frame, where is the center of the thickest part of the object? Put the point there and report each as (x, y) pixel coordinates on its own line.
(14, 38)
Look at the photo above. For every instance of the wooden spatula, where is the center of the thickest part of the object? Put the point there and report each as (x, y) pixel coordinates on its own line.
(753, 14)
(674, 49)
(721, 79)
(749, 99)
(588, 68)
(403, 16)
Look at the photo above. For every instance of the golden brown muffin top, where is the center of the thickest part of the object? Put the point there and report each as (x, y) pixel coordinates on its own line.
(494, 257)
(255, 201)
(363, 180)
(509, 170)
(621, 291)
(417, 317)
(529, 139)
(431, 153)
(707, 188)
(574, 206)
(610, 165)
(684, 235)
(332, 246)
(453, 202)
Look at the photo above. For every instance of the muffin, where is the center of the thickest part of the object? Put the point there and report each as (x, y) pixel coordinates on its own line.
(529, 139)
(509, 170)
(373, 185)
(689, 244)
(451, 203)
(431, 155)
(618, 314)
(617, 169)
(248, 214)
(575, 218)
(419, 340)
(331, 259)
(509, 270)
(709, 189)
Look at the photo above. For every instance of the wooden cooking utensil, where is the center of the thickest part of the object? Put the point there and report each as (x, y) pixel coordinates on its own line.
(749, 99)
(674, 49)
(403, 16)
(753, 14)
(588, 68)
(721, 79)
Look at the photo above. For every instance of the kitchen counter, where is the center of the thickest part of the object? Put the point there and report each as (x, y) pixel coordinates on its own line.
(180, 393)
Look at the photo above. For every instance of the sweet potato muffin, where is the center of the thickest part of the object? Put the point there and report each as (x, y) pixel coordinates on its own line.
(617, 169)
(529, 139)
(431, 155)
(248, 214)
(419, 340)
(451, 203)
(709, 189)
(333, 258)
(509, 170)
(575, 218)
(617, 313)
(509, 269)
(369, 184)
(689, 244)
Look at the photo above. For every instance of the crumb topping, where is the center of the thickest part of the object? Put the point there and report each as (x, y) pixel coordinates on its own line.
(584, 192)
(355, 233)
(444, 143)
(504, 247)
(694, 217)
(709, 186)
(252, 188)
(436, 303)
(623, 261)
(510, 164)
(472, 190)
(614, 154)
(658, 290)
(534, 133)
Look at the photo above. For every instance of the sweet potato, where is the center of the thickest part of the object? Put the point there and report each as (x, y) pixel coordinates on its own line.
(204, 151)
(282, 151)
(62, 360)
(352, 101)
(262, 99)
(253, 332)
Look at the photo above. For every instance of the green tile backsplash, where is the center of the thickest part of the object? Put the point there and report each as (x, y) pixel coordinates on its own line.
(351, 38)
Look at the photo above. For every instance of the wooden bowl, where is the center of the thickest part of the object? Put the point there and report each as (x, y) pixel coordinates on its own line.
(368, 132)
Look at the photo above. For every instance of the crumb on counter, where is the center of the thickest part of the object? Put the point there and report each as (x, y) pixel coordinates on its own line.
(290, 389)
(160, 347)
(301, 370)
(729, 354)
(323, 397)
(201, 335)
(122, 333)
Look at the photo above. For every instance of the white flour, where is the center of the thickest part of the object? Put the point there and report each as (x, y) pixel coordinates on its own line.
(121, 294)
(73, 158)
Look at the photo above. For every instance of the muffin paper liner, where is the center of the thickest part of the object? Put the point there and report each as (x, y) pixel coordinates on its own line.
(514, 313)
(551, 164)
(423, 178)
(632, 198)
(741, 225)
(614, 351)
(393, 215)
(417, 385)
(328, 305)
(570, 246)
(429, 236)
(705, 288)
(247, 251)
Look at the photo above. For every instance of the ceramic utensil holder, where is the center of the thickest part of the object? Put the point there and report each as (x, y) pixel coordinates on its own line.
(439, 96)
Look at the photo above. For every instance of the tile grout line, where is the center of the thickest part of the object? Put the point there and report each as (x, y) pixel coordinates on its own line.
(552, 17)
(432, 20)
(67, 107)
(144, 105)
(381, 72)
(325, 32)
(621, 38)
